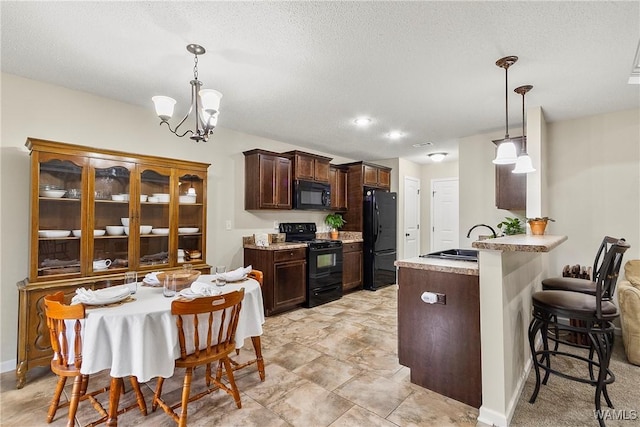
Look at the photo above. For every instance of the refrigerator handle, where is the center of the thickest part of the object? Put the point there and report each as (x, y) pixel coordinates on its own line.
(376, 225)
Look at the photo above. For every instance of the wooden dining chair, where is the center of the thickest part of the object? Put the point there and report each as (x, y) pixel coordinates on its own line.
(59, 316)
(212, 342)
(257, 346)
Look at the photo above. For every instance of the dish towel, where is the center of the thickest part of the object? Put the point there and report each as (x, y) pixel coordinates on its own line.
(200, 289)
(101, 296)
(235, 275)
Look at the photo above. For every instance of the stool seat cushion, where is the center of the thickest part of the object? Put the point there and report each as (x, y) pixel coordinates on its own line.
(582, 305)
(572, 284)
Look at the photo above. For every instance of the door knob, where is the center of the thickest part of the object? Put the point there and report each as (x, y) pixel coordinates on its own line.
(407, 234)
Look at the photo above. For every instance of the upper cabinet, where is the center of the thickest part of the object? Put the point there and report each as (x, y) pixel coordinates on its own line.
(338, 182)
(376, 176)
(98, 212)
(359, 176)
(310, 167)
(267, 180)
(511, 188)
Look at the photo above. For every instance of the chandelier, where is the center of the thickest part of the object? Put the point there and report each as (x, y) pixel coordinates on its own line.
(205, 102)
(506, 150)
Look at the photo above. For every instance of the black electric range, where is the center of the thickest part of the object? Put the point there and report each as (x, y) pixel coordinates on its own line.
(324, 262)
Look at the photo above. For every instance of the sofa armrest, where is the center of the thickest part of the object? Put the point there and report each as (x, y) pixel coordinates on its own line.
(629, 302)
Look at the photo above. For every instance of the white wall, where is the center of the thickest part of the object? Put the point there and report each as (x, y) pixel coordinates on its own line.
(40, 110)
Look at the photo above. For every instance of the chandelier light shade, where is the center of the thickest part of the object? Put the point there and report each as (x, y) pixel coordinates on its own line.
(506, 150)
(437, 157)
(205, 104)
(524, 163)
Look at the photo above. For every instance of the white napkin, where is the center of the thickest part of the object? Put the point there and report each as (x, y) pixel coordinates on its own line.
(200, 289)
(151, 279)
(101, 296)
(235, 275)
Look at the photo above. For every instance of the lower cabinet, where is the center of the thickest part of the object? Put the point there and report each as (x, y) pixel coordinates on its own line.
(351, 266)
(440, 342)
(285, 277)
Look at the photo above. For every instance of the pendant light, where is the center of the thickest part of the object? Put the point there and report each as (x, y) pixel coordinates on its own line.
(523, 164)
(506, 150)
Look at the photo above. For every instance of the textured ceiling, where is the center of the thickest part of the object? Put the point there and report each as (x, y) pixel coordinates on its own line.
(299, 72)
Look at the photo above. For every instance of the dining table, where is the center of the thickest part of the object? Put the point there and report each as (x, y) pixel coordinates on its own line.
(139, 336)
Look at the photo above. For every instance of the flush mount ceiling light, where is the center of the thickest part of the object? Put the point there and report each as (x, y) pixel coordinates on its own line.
(523, 164)
(437, 157)
(507, 149)
(422, 144)
(362, 121)
(205, 102)
(395, 134)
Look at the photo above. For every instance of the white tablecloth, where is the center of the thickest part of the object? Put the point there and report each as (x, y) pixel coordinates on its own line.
(140, 338)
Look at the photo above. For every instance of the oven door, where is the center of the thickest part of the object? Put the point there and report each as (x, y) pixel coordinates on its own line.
(312, 195)
(324, 275)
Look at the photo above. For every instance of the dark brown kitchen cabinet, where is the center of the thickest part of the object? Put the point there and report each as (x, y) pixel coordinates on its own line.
(267, 180)
(357, 180)
(285, 277)
(310, 167)
(79, 198)
(351, 266)
(338, 183)
(440, 343)
(511, 188)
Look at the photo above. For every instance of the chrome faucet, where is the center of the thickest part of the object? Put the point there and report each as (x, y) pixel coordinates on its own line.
(482, 225)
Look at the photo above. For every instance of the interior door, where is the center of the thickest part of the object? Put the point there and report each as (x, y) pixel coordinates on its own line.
(444, 214)
(411, 217)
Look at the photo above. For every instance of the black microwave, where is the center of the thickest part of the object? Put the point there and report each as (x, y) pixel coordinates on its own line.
(311, 195)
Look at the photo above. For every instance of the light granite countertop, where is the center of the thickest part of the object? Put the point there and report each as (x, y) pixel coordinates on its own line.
(443, 265)
(276, 246)
(344, 237)
(520, 243)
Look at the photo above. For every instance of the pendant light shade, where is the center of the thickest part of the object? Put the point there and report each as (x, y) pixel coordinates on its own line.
(506, 154)
(506, 150)
(524, 163)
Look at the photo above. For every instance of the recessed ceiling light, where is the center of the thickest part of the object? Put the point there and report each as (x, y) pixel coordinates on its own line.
(422, 144)
(437, 157)
(395, 134)
(362, 121)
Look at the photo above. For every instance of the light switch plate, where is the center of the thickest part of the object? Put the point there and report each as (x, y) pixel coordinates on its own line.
(227, 225)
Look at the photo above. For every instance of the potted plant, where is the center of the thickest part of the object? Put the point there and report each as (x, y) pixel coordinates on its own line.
(539, 224)
(511, 226)
(335, 221)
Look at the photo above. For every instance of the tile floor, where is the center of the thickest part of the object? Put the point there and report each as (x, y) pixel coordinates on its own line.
(333, 365)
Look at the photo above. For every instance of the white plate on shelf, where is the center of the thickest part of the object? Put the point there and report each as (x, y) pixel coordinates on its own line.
(160, 231)
(188, 230)
(53, 234)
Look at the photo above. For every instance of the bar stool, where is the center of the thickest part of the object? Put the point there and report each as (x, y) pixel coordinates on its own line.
(595, 314)
(584, 286)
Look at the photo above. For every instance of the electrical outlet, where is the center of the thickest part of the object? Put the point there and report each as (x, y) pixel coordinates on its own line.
(276, 224)
(227, 225)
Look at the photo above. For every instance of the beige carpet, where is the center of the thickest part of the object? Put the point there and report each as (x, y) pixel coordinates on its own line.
(569, 403)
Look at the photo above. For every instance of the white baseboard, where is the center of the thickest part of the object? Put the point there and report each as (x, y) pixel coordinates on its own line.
(7, 365)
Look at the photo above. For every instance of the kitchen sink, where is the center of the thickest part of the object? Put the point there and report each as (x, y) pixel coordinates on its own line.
(455, 254)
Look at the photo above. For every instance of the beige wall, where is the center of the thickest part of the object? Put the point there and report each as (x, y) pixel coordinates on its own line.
(594, 184)
(40, 110)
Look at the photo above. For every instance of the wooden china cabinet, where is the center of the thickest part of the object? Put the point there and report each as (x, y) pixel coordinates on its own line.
(81, 198)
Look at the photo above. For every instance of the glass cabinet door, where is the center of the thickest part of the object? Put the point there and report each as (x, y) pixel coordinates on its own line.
(155, 217)
(108, 231)
(190, 217)
(59, 215)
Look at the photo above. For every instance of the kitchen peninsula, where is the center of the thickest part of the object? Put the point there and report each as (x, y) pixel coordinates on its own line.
(509, 270)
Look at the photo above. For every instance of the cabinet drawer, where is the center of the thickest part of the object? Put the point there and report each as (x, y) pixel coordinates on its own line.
(351, 247)
(290, 254)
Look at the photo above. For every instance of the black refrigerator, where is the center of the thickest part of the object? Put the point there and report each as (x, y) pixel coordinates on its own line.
(379, 235)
